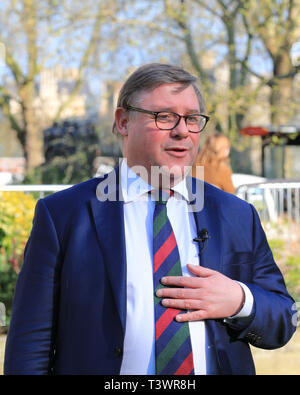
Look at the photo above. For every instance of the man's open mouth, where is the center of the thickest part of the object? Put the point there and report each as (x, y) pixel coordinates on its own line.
(176, 149)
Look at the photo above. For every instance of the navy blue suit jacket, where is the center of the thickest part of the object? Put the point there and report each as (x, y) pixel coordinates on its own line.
(69, 310)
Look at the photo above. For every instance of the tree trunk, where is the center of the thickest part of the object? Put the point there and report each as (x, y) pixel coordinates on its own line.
(33, 142)
(281, 94)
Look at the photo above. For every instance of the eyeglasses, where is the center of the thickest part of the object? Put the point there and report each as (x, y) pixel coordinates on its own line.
(166, 120)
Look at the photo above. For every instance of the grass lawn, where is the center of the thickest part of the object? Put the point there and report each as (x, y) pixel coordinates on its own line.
(285, 360)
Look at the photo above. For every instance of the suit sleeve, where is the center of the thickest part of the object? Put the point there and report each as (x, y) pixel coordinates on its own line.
(30, 337)
(270, 324)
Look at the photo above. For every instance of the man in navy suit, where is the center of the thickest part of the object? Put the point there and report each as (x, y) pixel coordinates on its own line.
(84, 300)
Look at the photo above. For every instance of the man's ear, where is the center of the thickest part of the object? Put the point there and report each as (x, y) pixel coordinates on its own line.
(121, 121)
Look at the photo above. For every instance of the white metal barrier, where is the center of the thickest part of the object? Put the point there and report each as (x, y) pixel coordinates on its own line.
(274, 199)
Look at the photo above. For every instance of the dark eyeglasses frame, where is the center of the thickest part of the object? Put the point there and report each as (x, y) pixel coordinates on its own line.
(156, 113)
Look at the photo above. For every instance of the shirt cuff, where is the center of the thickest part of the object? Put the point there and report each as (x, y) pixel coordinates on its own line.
(248, 303)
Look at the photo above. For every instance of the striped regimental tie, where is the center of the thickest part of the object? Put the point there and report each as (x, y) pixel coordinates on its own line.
(173, 350)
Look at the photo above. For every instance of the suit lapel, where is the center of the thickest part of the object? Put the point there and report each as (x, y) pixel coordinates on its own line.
(107, 211)
(206, 217)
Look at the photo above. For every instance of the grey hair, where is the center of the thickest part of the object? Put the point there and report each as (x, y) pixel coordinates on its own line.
(152, 75)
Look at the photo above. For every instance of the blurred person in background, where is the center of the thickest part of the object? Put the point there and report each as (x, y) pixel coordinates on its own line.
(214, 156)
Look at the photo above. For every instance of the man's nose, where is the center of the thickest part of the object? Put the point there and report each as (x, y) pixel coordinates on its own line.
(180, 130)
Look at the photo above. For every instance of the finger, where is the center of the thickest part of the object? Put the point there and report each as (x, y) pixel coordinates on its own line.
(200, 270)
(181, 281)
(178, 293)
(182, 304)
(197, 315)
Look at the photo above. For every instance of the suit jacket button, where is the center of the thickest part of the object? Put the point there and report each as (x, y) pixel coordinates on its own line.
(118, 352)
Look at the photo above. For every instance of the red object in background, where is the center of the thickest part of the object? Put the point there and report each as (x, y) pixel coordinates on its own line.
(254, 131)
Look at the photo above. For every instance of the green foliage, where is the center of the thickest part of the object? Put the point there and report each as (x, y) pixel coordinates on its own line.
(276, 246)
(293, 275)
(289, 263)
(8, 278)
(16, 214)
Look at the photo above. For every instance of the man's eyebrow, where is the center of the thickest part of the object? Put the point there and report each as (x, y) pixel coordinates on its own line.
(169, 109)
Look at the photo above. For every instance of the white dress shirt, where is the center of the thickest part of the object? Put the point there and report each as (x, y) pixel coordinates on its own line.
(139, 342)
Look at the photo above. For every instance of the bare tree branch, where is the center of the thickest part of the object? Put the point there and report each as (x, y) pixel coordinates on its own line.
(5, 99)
(14, 67)
(153, 26)
(84, 60)
(245, 60)
(181, 19)
(205, 5)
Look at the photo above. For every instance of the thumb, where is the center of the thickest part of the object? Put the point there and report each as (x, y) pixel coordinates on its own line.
(200, 271)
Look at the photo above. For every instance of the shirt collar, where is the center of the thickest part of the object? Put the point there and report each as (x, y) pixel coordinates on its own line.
(134, 187)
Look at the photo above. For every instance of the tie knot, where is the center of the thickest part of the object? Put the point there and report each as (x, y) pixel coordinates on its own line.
(161, 196)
